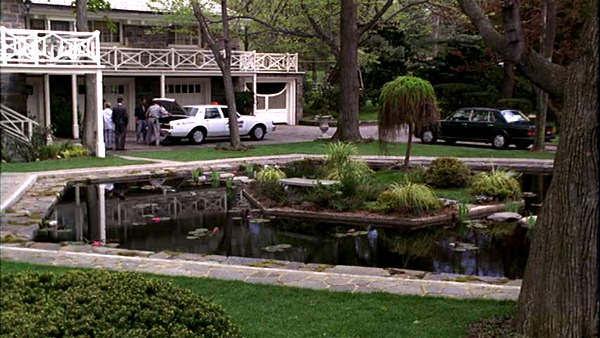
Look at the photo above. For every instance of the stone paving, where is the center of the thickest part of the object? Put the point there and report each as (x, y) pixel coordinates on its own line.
(27, 198)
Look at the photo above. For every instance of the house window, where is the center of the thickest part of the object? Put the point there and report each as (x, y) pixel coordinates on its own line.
(185, 36)
(109, 33)
(37, 24)
(55, 25)
(60, 25)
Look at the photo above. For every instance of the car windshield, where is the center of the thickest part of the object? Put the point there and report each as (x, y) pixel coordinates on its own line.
(513, 116)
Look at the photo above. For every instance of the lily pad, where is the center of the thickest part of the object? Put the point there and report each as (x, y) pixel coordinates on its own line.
(192, 237)
(462, 246)
(259, 220)
(277, 248)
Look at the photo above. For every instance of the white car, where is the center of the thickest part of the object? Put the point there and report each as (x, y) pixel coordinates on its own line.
(212, 121)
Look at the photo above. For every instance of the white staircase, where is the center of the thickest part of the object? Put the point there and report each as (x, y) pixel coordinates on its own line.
(16, 125)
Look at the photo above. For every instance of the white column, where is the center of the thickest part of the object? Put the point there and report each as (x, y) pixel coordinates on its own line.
(102, 212)
(78, 215)
(74, 92)
(100, 151)
(162, 85)
(254, 90)
(47, 122)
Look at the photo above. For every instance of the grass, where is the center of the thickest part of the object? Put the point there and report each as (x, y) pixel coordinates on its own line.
(67, 163)
(371, 148)
(274, 311)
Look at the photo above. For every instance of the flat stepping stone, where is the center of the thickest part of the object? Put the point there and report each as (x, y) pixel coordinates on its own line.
(504, 217)
(305, 182)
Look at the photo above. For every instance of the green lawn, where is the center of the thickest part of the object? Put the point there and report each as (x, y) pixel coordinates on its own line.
(318, 147)
(67, 163)
(273, 311)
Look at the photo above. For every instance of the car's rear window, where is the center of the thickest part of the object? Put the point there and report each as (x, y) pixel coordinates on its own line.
(513, 116)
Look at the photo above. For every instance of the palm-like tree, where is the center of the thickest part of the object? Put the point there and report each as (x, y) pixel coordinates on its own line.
(407, 102)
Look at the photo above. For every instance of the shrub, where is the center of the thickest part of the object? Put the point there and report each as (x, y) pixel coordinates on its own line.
(270, 190)
(333, 198)
(408, 198)
(306, 168)
(269, 174)
(447, 173)
(500, 185)
(100, 303)
(73, 150)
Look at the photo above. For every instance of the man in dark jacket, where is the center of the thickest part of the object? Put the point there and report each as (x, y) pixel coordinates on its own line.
(120, 119)
(141, 128)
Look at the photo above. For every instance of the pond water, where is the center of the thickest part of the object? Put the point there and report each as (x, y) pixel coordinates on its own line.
(172, 215)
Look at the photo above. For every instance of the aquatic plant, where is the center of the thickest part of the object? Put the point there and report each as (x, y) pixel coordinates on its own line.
(410, 199)
(498, 184)
(269, 173)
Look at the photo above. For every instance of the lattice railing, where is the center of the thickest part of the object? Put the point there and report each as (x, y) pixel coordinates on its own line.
(37, 47)
(16, 125)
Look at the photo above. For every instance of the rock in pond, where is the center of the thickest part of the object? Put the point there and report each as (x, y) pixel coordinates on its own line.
(504, 217)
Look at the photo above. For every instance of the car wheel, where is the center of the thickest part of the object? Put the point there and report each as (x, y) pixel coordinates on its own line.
(500, 141)
(257, 133)
(197, 136)
(522, 145)
(428, 137)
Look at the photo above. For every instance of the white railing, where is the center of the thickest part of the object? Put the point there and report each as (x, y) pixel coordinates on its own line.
(117, 58)
(28, 47)
(24, 47)
(15, 124)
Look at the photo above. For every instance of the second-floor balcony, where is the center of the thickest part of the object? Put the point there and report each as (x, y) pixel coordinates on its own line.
(25, 48)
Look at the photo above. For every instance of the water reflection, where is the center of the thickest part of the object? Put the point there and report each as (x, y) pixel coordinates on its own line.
(173, 215)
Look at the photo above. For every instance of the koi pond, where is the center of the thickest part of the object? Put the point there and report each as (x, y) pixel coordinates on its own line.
(173, 215)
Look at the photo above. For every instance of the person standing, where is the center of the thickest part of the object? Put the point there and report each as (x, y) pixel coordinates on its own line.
(141, 128)
(109, 126)
(120, 119)
(155, 112)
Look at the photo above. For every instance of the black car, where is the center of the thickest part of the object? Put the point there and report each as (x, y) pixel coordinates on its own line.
(500, 127)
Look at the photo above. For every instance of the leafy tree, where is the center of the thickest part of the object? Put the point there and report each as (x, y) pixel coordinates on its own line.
(406, 101)
(559, 295)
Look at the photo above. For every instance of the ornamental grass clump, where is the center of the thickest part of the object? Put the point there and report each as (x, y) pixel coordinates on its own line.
(339, 165)
(447, 173)
(99, 303)
(269, 173)
(408, 198)
(499, 185)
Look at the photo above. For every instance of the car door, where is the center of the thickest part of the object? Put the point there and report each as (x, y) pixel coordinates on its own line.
(216, 125)
(453, 127)
(481, 125)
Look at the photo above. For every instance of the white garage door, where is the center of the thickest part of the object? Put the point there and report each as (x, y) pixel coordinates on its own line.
(188, 91)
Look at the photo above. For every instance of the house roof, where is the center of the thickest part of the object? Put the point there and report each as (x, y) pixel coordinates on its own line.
(129, 5)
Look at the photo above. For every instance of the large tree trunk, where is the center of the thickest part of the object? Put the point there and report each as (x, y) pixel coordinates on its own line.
(89, 116)
(508, 80)
(559, 296)
(348, 124)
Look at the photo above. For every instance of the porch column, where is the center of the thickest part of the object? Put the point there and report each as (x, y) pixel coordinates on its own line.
(254, 90)
(74, 92)
(100, 150)
(47, 122)
(162, 85)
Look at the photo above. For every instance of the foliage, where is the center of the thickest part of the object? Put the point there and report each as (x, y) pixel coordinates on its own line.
(451, 96)
(408, 199)
(244, 102)
(498, 184)
(15, 150)
(523, 105)
(339, 165)
(69, 150)
(105, 304)
(306, 168)
(270, 190)
(332, 197)
(269, 173)
(447, 172)
(321, 99)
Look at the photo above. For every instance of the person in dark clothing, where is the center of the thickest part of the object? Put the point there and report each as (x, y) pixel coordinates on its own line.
(141, 128)
(120, 119)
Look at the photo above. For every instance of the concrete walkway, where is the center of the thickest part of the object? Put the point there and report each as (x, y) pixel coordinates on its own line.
(340, 278)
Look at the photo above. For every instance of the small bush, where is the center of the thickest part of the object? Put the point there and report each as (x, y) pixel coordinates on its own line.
(500, 185)
(447, 173)
(339, 165)
(306, 168)
(73, 150)
(100, 303)
(408, 198)
(270, 190)
(332, 197)
(269, 174)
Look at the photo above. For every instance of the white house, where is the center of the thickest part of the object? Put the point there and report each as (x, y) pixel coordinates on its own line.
(133, 54)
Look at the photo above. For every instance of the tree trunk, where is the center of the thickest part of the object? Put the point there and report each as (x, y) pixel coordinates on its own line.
(559, 296)
(508, 80)
(408, 145)
(89, 115)
(546, 48)
(348, 124)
